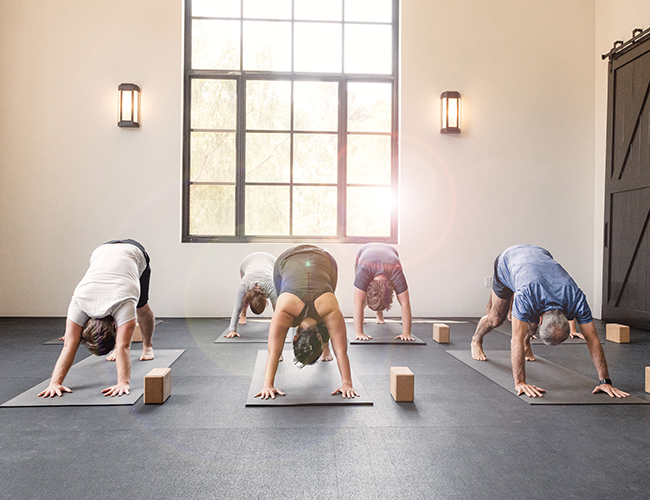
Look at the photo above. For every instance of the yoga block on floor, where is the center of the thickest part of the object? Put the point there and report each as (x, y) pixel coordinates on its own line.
(157, 386)
(647, 379)
(402, 383)
(137, 334)
(441, 333)
(618, 333)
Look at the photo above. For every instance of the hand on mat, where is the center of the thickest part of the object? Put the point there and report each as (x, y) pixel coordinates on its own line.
(54, 390)
(612, 391)
(231, 335)
(404, 337)
(116, 390)
(532, 391)
(577, 334)
(362, 336)
(269, 392)
(346, 392)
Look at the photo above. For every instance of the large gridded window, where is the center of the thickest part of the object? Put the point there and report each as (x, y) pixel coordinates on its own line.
(290, 120)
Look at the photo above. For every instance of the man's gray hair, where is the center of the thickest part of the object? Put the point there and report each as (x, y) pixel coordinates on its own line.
(554, 328)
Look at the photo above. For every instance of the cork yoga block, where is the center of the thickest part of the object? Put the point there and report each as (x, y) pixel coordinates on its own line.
(402, 383)
(441, 333)
(157, 386)
(647, 379)
(618, 333)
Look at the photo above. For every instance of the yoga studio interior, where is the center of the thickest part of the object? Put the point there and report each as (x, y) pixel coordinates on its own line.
(210, 130)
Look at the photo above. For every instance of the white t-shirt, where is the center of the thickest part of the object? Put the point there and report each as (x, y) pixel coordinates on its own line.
(111, 286)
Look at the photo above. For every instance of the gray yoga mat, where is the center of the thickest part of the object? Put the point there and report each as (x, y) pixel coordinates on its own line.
(254, 331)
(89, 377)
(311, 385)
(563, 386)
(381, 334)
(59, 340)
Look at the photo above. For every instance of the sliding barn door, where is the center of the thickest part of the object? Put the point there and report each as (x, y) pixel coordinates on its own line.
(626, 277)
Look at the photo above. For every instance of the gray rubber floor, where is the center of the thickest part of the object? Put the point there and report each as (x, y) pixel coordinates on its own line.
(463, 437)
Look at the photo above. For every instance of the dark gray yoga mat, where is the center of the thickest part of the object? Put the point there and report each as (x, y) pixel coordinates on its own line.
(381, 334)
(563, 386)
(59, 340)
(311, 385)
(254, 331)
(89, 377)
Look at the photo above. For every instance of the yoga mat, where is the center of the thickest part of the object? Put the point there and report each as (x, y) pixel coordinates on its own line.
(563, 386)
(381, 334)
(254, 331)
(311, 385)
(89, 377)
(57, 341)
(414, 321)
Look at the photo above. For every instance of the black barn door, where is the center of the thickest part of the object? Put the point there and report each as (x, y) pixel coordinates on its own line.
(626, 276)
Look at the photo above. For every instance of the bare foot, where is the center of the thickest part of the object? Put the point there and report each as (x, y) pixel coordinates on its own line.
(111, 356)
(281, 358)
(380, 318)
(327, 354)
(477, 352)
(147, 354)
(528, 353)
(242, 321)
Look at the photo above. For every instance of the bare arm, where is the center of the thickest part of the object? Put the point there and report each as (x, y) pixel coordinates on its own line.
(405, 303)
(280, 324)
(122, 355)
(335, 324)
(517, 359)
(359, 306)
(66, 358)
(598, 357)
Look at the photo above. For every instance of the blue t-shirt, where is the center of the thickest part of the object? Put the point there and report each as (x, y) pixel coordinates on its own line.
(540, 284)
(378, 258)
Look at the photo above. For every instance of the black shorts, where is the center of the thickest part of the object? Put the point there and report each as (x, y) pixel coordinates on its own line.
(145, 277)
(499, 289)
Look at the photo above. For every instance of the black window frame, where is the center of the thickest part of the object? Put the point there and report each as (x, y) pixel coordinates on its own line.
(241, 77)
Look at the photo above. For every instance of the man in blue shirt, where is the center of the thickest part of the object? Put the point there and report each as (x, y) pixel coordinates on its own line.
(545, 299)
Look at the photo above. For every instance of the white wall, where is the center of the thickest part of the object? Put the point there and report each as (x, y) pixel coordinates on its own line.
(522, 171)
(615, 20)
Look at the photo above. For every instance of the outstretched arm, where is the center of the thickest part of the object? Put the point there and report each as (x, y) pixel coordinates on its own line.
(336, 327)
(280, 324)
(236, 311)
(359, 306)
(405, 303)
(518, 360)
(122, 355)
(598, 357)
(66, 358)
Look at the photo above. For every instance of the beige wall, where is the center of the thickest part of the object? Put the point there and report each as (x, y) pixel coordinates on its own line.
(522, 171)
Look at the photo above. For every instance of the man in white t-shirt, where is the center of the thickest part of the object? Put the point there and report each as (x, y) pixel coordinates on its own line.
(102, 314)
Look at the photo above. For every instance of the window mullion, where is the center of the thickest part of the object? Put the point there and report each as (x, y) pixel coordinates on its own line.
(240, 144)
(342, 160)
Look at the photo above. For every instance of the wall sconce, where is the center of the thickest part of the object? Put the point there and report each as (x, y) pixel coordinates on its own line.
(128, 107)
(450, 112)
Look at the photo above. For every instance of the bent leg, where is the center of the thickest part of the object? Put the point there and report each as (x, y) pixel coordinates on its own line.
(494, 318)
